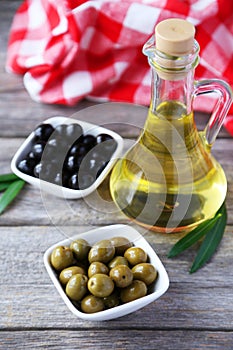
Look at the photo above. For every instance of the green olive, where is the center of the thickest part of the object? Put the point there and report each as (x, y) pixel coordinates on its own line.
(136, 290)
(76, 287)
(118, 260)
(102, 251)
(117, 271)
(91, 304)
(100, 285)
(80, 248)
(121, 244)
(61, 257)
(121, 275)
(97, 267)
(68, 272)
(145, 272)
(112, 300)
(135, 255)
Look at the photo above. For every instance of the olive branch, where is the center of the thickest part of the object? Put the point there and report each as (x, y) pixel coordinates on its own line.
(212, 230)
(10, 185)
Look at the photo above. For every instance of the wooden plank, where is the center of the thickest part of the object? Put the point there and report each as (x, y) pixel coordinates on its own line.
(222, 151)
(199, 301)
(116, 339)
(33, 207)
(184, 306)
(38, 208)
(30, 242)
(7, 12)
(195, 313)
(20, 115)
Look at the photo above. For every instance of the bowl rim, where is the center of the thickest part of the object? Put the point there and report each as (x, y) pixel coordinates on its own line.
(131, 233)
(61, 191)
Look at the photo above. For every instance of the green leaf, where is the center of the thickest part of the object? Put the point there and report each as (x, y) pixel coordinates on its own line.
(193, 236)
(10, 194)
(4, 185)
(8, 177)
(213, 231)
(211, 241)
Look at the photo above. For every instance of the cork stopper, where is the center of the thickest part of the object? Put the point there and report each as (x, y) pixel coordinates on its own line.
(174, 36)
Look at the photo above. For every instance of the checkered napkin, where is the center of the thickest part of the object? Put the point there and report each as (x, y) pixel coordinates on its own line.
(68, 50)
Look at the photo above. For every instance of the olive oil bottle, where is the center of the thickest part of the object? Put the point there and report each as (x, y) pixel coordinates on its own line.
(169, 181)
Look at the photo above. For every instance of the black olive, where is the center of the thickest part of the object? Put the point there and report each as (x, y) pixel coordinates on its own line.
(43, 131)
(78, 149)
(109, 147)
(31, 155)
(94, 167)
(89, 141)
(27, 165)
(73, 182)
(65, 178)
(48, 171)
(103, 151)
(102, 138)
(50, 152)
(72, 163)
(59, 142)
(53, 142)
(93, 164)
(55, 154)
(60, 179)
(74, 131)
(61, 130)
(67, 158)
(37, 169)
(100, 169)
(81, 182)
(97, 154)
(37, 149)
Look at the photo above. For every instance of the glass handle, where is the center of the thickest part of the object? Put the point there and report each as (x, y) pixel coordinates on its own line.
(221, 107)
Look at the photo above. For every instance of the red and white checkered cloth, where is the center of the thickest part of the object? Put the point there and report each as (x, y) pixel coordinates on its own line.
(71, 49)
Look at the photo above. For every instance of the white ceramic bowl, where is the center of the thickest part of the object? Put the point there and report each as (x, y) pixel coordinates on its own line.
(106, 232)
(61, 191)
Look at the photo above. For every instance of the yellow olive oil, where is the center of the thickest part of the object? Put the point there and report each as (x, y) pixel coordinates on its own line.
(169, 181)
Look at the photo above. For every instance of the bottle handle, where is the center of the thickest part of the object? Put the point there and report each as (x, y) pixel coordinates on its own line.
(221, 107)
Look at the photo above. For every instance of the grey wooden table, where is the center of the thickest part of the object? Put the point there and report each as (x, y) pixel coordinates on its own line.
(195, 313)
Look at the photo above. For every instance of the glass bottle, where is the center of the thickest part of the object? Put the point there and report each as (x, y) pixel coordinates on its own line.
(169, 181)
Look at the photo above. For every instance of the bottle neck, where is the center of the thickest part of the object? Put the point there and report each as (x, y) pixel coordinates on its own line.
(172, 76)
(177, 93)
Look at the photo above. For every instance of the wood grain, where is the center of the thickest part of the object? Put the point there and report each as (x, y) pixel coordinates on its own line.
(117, 339)
(197, 301)
(41, 208)
(195, 313)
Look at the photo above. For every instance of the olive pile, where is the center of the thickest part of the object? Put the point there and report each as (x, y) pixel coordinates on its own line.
(111, 272)
(66, 156)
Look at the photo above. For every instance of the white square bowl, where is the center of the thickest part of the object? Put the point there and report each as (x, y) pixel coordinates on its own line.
(61, 191)
(160, 287)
